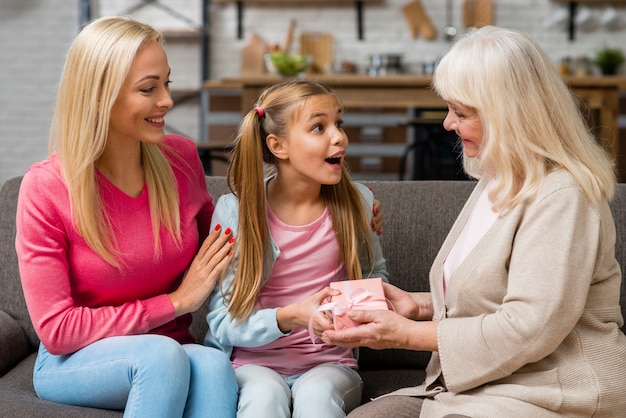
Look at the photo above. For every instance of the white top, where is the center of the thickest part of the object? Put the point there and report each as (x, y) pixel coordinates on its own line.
(478, 223)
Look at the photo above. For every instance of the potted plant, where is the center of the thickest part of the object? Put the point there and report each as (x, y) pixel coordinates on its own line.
(609, 60)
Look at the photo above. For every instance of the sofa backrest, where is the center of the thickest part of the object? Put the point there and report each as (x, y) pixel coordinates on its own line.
(618, 207)
(11, 295)
(417, 218)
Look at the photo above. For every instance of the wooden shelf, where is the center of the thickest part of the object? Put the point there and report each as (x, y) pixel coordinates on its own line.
(573, 5)
(183, 95)
(181, 34)
(357, 3)
(296, 1)
(600, 98)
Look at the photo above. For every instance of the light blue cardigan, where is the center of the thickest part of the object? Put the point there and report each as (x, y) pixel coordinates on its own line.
(261, 327)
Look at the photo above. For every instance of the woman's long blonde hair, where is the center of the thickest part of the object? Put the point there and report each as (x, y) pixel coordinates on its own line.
(97, 63)
(532, 123)
(246, 174)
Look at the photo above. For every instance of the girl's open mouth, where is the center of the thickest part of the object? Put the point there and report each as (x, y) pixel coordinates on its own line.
(333, 160)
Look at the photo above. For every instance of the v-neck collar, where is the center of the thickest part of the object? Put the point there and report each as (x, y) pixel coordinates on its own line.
(119, 195)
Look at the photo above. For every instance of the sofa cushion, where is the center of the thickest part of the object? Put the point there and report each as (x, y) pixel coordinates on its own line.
(380, 382)
(13, 343)
(389, 359)
(417, 218)
(18, 398)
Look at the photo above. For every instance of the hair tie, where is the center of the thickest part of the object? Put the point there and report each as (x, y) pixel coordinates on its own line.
(260, 111)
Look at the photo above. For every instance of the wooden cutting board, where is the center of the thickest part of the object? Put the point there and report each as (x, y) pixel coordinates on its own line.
(289, 37)
(477, 13)
(418, 21)
(483, 13)
(252, 56)
(467, 13)
(319, 46)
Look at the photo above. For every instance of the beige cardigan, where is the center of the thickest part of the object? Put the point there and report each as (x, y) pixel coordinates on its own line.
(530, 319)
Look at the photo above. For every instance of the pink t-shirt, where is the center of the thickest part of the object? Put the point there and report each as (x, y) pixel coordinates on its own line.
(73, 296)
(307, 263)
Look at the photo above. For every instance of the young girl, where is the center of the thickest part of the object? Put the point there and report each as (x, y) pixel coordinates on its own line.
(298, 230)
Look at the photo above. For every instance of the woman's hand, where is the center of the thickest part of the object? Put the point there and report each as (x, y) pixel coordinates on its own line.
(298, 314)
(377, 219)
(205, 269)
(417, 305)
(384, 329)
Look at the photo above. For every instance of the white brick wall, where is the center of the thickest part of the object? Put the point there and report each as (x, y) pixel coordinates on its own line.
(385, 29)
(34, 36)
(33, 42)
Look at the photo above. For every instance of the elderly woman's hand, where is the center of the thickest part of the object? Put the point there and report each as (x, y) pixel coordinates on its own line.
(384, 329)
(414, 305)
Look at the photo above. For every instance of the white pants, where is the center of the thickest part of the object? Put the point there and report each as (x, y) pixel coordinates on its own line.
(325, 391)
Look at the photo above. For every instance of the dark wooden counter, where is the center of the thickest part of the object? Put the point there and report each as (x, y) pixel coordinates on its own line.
(600, 96)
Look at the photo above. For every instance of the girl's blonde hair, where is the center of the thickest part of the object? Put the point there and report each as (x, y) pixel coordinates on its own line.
(98, 61)
(532, 123)
(246, 174)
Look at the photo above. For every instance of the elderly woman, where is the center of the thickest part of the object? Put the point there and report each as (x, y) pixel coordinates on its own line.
(523, 317)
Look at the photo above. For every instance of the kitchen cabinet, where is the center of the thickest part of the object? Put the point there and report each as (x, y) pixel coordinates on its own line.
(387, 103)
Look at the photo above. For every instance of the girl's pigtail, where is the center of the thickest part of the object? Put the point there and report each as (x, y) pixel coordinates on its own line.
(246, 175)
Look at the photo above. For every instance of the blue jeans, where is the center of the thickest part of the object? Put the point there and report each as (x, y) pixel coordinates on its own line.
(146, 375)
(325, 391)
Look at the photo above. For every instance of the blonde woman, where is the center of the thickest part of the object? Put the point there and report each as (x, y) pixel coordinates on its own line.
(298, 229)
(113, 239)
(523, 317)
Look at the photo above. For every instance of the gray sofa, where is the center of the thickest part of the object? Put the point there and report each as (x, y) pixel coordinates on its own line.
(418, 215)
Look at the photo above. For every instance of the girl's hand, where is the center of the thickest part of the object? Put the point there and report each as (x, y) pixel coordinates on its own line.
(320, 322)
(298, 314)
(377, 220)
(205, 269)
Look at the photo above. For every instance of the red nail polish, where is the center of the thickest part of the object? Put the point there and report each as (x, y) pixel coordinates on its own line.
(231, 240)
(376, 210)
(218, 227)
(227, 231)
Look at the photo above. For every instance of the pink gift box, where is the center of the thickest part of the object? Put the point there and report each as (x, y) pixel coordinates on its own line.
(364, 294)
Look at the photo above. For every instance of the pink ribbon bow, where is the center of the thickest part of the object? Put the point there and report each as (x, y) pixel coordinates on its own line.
(359, 298)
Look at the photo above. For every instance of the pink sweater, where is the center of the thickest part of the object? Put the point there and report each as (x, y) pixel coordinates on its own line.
(73, 296)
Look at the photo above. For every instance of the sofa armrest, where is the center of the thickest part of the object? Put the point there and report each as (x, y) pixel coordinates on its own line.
(13, 343)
